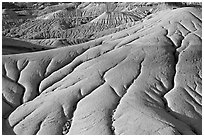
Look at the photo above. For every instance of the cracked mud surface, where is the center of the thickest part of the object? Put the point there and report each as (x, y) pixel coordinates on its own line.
(145, 79)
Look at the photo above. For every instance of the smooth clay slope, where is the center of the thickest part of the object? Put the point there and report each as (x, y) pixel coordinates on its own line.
(142, 80)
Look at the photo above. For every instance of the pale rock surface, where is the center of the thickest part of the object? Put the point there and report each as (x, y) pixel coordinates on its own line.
(146, 79)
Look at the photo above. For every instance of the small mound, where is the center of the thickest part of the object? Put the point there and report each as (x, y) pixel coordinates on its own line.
(54, 8)
(51, 15)
(108, 17)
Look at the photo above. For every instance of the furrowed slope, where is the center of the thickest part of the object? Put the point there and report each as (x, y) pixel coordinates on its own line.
(69, 26)
(12, 19)
(47, 30)
(142, 80)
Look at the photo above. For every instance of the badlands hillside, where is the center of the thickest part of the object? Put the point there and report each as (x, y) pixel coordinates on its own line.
(95, 68)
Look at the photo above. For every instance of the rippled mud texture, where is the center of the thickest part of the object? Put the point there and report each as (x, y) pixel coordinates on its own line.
(145, 79)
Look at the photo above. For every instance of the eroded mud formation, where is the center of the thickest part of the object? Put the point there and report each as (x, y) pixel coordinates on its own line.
(136, 70)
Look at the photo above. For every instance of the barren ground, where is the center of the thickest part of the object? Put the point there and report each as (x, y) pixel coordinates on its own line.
(117, 73)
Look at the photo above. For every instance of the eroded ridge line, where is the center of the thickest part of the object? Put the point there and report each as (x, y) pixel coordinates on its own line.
(119, 102)
(102, 74)
(176, 54)
(69, 121)
(74, 67)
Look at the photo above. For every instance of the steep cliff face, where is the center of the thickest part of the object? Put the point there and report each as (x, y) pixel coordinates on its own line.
(145, 79)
